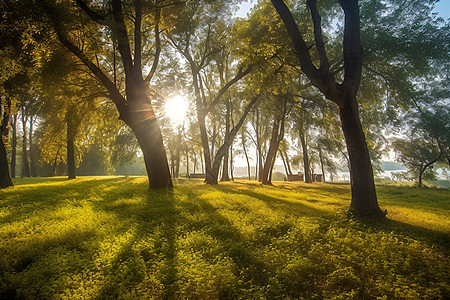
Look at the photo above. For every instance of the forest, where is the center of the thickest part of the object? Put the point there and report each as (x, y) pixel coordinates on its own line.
(216, 109)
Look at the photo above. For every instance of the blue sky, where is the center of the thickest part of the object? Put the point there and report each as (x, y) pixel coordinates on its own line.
(442, 8)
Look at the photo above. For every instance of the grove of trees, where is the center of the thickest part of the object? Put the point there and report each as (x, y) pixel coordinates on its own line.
(316, 84)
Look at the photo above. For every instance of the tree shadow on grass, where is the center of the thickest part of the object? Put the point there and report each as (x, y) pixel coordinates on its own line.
(21, 204)
(432, 237)
(286, 206)
(251, 271)
(153, 222)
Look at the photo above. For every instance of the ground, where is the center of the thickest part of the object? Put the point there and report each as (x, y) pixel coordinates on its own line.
(109, 238)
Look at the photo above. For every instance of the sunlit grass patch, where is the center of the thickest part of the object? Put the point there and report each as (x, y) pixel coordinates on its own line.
(110, 237)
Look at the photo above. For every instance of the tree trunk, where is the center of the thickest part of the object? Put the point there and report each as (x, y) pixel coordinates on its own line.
(187, 163)
(32, 162)
(14, 147)
(321, 165)
(287, 162)
(25, 166)
(225, 176)
(246, 156)
(421, 170)
(305, 158)
(228, 140)
(5, 178)
(271, 153)
(149, 137)
(364, 198)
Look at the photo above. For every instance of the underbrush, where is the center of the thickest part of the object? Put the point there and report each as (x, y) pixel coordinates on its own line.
(110, 238)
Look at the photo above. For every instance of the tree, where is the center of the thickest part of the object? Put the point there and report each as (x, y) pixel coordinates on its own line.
(134, 107)
(364, 199)
(200, 38)
(418, 156)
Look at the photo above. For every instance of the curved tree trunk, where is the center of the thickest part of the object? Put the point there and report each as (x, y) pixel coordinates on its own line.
(150, 140)
(364, 198)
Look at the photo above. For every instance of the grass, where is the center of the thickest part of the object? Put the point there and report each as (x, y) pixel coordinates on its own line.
(110, 238)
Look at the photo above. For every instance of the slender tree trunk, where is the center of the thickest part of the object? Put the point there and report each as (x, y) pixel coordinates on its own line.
(285, 167)
(287, 162)
(5, 178)
(271, 153)
(72, 126)
(25, 165)
(231, 163)
(321, 165)
(246, 156)
(225, 176)
(364, 198)
(14, 146)
(187, 163)
(305, 158)
(32, 162)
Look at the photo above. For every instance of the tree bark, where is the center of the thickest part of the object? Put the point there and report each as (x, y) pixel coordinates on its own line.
(25, 166)
(321, 165)
(271, 153)
(14, 146)
(32, 161)
(5, 178)
(305, 158)
(246, 157)
(364, 198)
(225, 167)
(149, 137)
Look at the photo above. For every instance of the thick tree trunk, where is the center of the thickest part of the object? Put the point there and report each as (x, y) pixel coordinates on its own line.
(5, 178)
(305, 158)
(364, 198)
(25, 165)
(421, 170)
(149, 137)
(14, 146)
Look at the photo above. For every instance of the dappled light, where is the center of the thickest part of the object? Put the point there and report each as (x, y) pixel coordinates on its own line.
(112, 237)
(224, 149)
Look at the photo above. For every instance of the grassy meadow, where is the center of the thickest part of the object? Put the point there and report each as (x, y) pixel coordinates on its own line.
(111, 238)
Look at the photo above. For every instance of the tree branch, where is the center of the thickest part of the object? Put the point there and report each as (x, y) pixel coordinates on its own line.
(114, 93)
(222, 91)
(92, 14)
(120, 30)
(324, 64)
(138, 38)
(158, 47)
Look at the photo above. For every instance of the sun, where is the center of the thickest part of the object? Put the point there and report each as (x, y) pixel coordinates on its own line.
(176, 108)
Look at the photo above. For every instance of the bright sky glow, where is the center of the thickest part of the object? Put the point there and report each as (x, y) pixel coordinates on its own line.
(176, 108)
